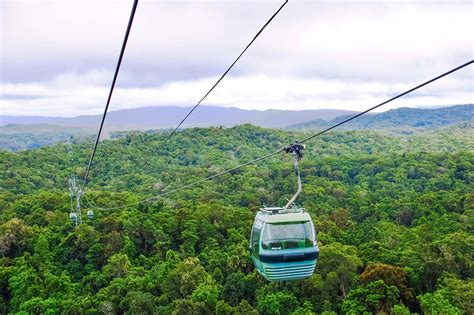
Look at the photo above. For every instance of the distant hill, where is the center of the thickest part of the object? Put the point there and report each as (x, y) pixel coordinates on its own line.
(400, 118)
(19, 137)
(27, 132)
(169, 116)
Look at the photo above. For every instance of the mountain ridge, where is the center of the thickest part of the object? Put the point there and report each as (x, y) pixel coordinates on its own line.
(404, 117)
(169, 116)
(398, 121)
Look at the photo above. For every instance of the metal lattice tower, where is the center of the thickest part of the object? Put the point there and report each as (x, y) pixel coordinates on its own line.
(75, 193)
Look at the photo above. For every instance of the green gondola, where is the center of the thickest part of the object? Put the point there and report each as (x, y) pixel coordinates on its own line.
(283, 242)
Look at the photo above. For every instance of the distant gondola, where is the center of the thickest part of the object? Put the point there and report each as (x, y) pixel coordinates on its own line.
(73, 217)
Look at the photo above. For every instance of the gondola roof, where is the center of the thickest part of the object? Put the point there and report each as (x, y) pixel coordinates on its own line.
(285, 217)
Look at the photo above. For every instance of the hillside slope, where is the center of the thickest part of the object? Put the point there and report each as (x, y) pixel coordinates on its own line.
(21, 137)
(400, 118)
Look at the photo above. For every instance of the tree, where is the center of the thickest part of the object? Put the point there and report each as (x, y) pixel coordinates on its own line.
(118, 266)
(338, 266)
(184, 279)
(391, 275)
(13, 237)
(137, 302)
(280, 303)
(24, 284)
(234, 288)
(207, 293)
(437, 304)
(375, 297)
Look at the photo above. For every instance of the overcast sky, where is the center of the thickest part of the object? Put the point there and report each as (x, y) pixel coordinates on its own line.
(58, 57)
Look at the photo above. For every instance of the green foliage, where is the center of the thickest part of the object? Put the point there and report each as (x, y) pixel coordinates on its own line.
(394, 217)
(375, 297)
(400, 310)
(277, 303)
(437, 304)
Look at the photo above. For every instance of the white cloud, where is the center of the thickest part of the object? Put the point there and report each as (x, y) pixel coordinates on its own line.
(73, 94)
(57, 57)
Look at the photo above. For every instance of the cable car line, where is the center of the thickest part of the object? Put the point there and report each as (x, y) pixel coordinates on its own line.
(291, 145)
(198, 103)
(219, 80)
(194, 183)
(225, 73)
(117, 68)
(389, 100)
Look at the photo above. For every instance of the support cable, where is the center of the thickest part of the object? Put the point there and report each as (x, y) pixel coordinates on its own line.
(286, 147)
(218, 81)
(209, 91)
(122, 51)
(389, 100)
(225, 73)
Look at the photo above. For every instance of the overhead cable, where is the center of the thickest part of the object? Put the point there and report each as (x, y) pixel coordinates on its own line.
(117, 68)
(389, 100)
(205, 95)
(225, 73)
(166, 193)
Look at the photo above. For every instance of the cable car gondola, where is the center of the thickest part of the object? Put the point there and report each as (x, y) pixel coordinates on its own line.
(90, 214)
(73, 217)
(283, 242)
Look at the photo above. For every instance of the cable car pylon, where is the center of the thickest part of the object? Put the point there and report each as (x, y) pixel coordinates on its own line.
(75, 215)
(75, 194)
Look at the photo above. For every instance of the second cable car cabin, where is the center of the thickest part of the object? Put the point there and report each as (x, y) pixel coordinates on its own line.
(283, 242)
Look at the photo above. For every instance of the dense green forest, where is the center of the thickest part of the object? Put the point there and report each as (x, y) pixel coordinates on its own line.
(394, 216)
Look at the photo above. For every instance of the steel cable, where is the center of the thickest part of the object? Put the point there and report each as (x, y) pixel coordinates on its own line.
(302, 141)
(117, 68)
